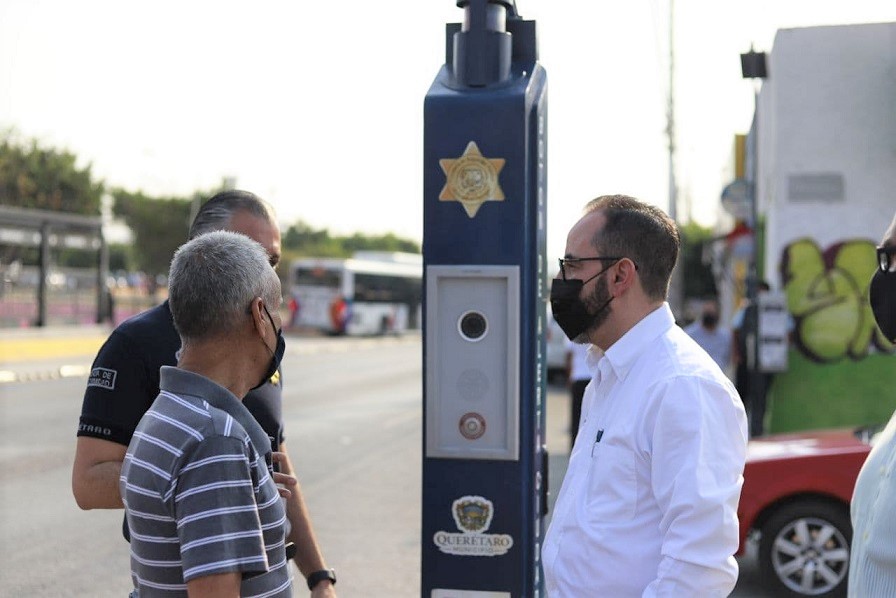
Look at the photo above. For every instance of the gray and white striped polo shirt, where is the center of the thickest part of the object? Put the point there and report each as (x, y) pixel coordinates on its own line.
(199, 496)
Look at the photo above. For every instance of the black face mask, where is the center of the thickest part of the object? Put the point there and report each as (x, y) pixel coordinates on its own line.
(710, 320)
(568, 308)
(276, 356)
(882, 295)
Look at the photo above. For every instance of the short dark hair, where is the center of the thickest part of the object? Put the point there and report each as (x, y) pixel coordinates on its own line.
(641, 232)
(215, 214)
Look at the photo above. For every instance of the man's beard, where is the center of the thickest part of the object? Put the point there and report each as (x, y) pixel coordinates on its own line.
(597, 304)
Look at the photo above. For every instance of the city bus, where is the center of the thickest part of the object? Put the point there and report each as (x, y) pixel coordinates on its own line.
(370, 293)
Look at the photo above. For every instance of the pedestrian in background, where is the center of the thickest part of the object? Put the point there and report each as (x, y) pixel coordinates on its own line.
(197, 480)
(648, 505)
(124, 381)
(752, 386)
(293, 307)
(715, 339)
(577, 378)
(742, 322)
(872, 562)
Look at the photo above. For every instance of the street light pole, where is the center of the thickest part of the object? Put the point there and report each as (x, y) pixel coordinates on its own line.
(676, 285)
(753, 67)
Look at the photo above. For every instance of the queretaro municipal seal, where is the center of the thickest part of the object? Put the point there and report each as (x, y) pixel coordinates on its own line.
(473, 516)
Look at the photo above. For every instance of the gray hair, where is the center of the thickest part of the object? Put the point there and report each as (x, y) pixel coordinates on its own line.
(213, 280)
(216, 213)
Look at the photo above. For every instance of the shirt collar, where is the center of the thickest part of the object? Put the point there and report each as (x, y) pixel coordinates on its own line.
(183, 382)
(622, 355)
(593, 355)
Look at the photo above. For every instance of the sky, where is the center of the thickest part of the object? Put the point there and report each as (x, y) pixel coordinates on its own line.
(318, 106)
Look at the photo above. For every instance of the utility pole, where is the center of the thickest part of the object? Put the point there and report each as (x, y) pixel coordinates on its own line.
(676, 285)
(753, 67)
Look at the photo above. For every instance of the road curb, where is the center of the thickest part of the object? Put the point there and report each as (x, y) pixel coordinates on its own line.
(47, 364)
(54, 373)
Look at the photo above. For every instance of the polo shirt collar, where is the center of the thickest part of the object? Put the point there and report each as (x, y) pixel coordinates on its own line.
(624, 352)
(182, 382)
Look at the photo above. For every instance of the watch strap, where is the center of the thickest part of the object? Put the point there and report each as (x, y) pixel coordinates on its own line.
(319, 576)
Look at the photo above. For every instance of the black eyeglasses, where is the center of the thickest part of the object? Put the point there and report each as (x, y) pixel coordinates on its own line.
(886, 258)
(571, 261)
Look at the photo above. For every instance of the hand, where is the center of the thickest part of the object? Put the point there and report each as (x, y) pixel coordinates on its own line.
(324, 590)
(284, 481)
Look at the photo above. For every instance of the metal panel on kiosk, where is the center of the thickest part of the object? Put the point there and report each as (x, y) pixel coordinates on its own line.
(472, 362)
(484, 491)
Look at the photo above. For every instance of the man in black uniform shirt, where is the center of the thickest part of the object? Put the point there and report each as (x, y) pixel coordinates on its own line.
(124, 381)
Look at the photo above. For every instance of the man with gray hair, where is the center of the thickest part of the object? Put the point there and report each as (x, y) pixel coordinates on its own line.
(124, 381)
(197, 479)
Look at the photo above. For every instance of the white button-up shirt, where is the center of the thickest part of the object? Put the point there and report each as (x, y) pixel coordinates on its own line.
(872, 564)
(648, 506)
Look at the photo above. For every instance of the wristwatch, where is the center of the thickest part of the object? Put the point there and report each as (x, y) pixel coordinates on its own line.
(318, 576)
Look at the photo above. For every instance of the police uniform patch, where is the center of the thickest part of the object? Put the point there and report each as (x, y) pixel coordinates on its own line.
(102, 378)
(471, 179)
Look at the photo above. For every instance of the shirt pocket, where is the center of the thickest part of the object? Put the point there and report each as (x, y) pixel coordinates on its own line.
(612, 485)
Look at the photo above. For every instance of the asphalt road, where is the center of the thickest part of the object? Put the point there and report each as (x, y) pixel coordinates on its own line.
(353, 422)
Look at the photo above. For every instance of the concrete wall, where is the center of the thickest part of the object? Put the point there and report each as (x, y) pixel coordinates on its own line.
(828, 108)
(827, 190)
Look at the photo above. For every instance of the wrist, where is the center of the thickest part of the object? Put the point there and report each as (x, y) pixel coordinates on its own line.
(318, 577)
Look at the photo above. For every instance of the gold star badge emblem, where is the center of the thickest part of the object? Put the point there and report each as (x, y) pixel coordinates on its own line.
(471, 179)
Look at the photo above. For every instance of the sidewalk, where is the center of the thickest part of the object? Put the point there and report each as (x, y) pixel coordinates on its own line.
(46, 353)
(53, 352)
(23, 344)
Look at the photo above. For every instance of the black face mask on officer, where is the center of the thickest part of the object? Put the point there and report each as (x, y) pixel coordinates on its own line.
(276, 355)
(570, 310)
(882, 296)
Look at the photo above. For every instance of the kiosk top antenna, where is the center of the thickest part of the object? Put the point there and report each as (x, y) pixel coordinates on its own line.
(483, 47)
(509, 4)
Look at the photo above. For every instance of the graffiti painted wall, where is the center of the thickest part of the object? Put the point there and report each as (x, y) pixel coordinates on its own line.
(842, 370)
(827, 293)
(825, 175)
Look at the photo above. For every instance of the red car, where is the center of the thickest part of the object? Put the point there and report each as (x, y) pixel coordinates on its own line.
(795, 498)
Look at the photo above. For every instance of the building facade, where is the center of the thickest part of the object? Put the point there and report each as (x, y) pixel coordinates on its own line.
(825, 135)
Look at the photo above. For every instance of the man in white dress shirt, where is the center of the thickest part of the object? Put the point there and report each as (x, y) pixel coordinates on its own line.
(648, 506)
(872, 564)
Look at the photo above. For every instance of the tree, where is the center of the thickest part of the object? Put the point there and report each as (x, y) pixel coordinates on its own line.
(301, 239)
(387, 242)
(32, 176)
(160, 226)
(698, 278)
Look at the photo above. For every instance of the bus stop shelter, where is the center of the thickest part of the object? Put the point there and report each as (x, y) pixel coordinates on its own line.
(45, 230)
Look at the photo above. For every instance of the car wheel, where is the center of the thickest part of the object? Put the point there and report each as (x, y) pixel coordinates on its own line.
(804, 549)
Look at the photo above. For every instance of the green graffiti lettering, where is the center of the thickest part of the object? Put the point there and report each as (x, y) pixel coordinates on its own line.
(830, 304)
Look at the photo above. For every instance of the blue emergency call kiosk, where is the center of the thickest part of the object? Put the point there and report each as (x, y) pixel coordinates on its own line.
(484, 231)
